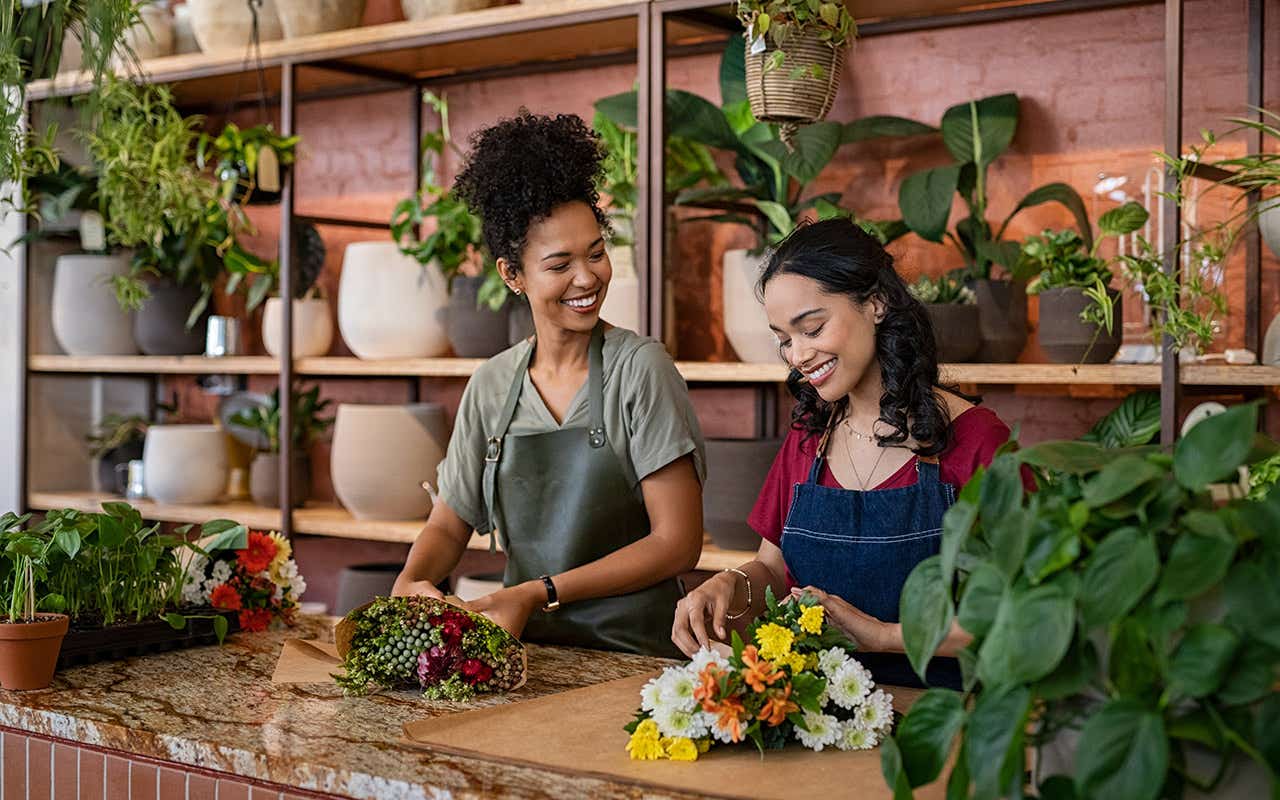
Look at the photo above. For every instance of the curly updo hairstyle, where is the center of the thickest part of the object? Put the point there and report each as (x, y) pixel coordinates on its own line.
(845, 260)
(521, 169)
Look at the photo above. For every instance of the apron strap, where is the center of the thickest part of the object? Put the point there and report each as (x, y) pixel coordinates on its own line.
(595, 388)
(820, 458)
(493, 447)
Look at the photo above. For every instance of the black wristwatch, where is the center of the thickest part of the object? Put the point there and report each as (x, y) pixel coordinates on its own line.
(553, 601)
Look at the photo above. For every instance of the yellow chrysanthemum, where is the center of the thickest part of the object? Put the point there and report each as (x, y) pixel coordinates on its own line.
(284, 551)
(680, 749)
(796, 661)
(703, 745)
(811, 619)
(644, 744)
(811, 661)
(774, 640)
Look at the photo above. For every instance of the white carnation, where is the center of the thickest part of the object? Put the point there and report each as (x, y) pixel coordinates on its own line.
(823, 729)
(853, 736)
(876, 713)
(296, 586)
(193, 592)
(723, 735)
(704, 657)
(221, 572)
(829, 661)
(650, 695)
(850, 684)
(676, 689)
(679, 722)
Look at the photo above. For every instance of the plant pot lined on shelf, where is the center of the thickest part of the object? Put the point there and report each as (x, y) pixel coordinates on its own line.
(264, 480)
(1066, 339)
(228, 24)
(777, 96)
(736, 469)
(308, 17)
(389, 305)
(87, 320)
(381, 456)
(312, 327)
(475, 332)
(360, 583)
(160, 327)
(111, 476)
(1269, 224)
(153, 36)
(745, 324)
(184, 38)
(425, 9)
(955, 331)
(185, 464)
(29, 651)
(1002, 319)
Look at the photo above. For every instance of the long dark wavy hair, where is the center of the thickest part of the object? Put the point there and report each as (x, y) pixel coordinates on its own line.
(845, 260)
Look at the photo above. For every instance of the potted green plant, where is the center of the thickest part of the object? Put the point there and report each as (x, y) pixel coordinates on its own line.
(1080, 312)
(1185, 307)
(116, 441)
(312, 316)
(308, 426)
(29, 641)
(249, 164)
(1125, 626)
(953, 316)
(794, 59)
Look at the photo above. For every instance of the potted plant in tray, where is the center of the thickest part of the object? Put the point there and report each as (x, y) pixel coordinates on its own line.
(952, 314)
(29, 641)
(1125, 625)
(1080, 312)
(250, 163)
(308, 426)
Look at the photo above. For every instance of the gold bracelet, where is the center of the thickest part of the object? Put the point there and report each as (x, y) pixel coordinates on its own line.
(746, 578)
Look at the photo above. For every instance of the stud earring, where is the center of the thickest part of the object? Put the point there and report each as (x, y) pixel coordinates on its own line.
(517, 291)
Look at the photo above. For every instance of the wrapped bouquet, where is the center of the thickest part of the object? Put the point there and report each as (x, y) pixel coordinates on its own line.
(422, 642)
(793, 679)
(259, 581)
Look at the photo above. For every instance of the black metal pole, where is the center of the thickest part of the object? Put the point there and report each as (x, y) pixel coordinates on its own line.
(288, 126)
(1170, 377)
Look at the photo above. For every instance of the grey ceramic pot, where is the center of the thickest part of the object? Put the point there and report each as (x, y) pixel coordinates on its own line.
(736, 469)
(1002, 319)
(160, 328)
(474, 332)
(360, 583)
(1066, 339)
(955, 331)
(109, 478)
(264, 480)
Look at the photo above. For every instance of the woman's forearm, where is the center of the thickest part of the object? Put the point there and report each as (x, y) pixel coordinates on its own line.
(433, 556)
(639, 565)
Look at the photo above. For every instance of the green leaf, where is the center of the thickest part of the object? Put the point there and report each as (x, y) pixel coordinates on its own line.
(1030, 635)
(1075, 458)
(924, 736)
(1057, 787)
(981, 599)
(111, 531)
(958, 781)
(957, 522)
(813, 148)
(68, 540)
(226, 535)
(980, 130)
(1062, 194)
(692, 117)
(1253, 602)
(1136, 421)
(1199, 558)
(1216, 447)
(1123, 752)
(1132, 664)
(176, 621)
(1118, 573)
(1253, 672)
(1123, 475)
(1051, 548)
(778, 216)
(925, 611)
(621, 109)
(1266, 731)
(220, 626)
(1123, 219)
(1073, 674)
(993, 739)
(733, 72)
(925, 201)
(1201, 661)
(891, 767)
(875, 127)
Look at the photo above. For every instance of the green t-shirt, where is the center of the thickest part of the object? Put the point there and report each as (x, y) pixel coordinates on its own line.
(648, 417)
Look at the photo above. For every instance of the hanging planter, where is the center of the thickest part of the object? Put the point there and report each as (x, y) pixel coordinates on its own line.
(308, 17)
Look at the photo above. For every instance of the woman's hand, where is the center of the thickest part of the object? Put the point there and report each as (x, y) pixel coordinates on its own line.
(511, 607)
(867, 632)
(406, 586)
(707, 603)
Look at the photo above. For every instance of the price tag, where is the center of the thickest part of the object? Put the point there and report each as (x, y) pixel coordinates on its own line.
(757, 46)
(268, 169)
(93, 232)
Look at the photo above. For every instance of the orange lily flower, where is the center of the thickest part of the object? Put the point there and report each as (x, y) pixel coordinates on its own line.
(777, 707)
(757, 672)
(731, 713)
(708, 687)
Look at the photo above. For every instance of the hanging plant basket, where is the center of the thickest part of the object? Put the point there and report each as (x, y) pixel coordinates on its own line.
(801, 91)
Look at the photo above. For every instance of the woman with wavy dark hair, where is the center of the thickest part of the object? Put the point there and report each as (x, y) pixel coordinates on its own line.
(579, 445)
(856, 494)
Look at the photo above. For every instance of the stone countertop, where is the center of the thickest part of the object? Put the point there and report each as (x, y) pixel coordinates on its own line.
(216, 708)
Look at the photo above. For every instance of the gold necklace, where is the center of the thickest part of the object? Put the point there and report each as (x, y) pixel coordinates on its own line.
(865, 437)
(848, 452)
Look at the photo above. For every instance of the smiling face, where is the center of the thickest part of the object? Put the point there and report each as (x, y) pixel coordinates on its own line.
(830, 338)
(564, 269)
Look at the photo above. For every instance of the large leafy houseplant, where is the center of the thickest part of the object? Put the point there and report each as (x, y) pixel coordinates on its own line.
(1118, 600)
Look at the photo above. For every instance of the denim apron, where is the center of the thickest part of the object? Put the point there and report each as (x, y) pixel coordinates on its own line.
(862, 545)
(561, 499)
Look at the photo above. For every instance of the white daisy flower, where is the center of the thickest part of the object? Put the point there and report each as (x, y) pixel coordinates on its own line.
(297, 586)
(678, 722)
(704, 657)
(193, 593)
(823, 731)
(831, 660)
(221, 572)
(650, 694)
(853, 736)
(677, 685)
(876, 713)
(850, 684)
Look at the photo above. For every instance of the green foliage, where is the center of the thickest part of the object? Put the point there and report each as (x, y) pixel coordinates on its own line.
(308, 425)
(1263, 476)
(1135, 422)
(116, 430)
(1091, 603)
(1186, 308)
(237, 152)
(780, 21)
(942, 290)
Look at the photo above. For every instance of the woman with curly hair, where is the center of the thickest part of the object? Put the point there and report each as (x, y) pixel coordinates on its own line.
(579, 446)
(856, 495)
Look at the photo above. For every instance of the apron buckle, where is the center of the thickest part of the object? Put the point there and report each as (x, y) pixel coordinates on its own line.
(595, 437)
(493, 449)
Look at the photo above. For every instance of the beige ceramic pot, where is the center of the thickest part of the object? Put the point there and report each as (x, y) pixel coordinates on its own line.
(390, 306)
(312, 327)
(381, 456)
(745, 324)
(228, 24)
(423, 9)
(185, 464)
(153, 37)
(87, 320)
(307, 17)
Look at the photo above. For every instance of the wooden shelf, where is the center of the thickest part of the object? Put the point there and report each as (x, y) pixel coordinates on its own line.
(254, 516)
(394, 367)
(156, 365)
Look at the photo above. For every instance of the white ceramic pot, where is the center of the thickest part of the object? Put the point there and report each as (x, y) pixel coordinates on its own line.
(72, 57)
(153, 37)
(381, 456)
(87, 320)
(228, 24)
(312, 327)
(1271, 344)
(184, 38)
(1269, 224)
(389, 305)
(307, 17)
(745, 324)
(185, 464)
(422, 9)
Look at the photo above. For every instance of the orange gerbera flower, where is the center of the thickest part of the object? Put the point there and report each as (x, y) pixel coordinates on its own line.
(708, 687)
(758, 673)
(777, 707)
(731, 713)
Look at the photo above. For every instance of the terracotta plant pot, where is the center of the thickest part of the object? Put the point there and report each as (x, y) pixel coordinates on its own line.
(1002, 319)
(955, 331)
(312, 327)
(264, 480)
(474, 332)
(736, 469)
(519, 321)
(425, 9)
(389, 305)
(160, 328)
(87, 320)
(1269, 224)
(1066, 339)
(228, 24)
(307, 17)
(29, 651)
(185, 464)
(381, 456)
(745, 324)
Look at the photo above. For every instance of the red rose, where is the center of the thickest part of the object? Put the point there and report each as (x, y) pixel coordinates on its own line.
(223, 596)
(255, 619)
(258, 555)
(475, 671)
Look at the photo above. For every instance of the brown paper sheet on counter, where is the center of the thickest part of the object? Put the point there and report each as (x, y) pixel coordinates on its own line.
(580, 732)
(307, 661)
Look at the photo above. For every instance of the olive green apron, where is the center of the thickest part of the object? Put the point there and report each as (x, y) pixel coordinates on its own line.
(561, 499)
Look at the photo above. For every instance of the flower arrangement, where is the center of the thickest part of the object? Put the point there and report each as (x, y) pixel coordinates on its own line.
(260, 581)
(795, 679)
(423, 642)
